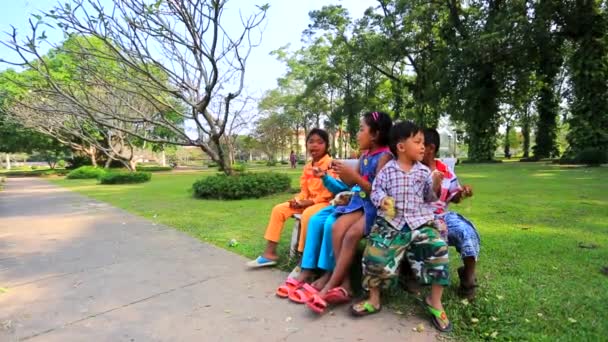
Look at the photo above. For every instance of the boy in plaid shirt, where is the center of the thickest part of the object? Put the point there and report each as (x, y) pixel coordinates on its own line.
(404, 226)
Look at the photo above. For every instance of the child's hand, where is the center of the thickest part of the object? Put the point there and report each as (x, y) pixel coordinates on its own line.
(437, 176)
(388, 206)
(317, 172)
(293, 203)
(301, 204)
(343, 171)
(467, 191)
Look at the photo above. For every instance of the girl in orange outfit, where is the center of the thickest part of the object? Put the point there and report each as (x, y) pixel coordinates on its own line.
(312, 198)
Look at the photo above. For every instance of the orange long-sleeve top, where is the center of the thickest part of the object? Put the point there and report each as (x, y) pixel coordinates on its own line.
(312, 187)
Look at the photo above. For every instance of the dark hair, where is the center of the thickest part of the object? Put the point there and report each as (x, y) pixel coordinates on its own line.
(402, 131)
(381, 123)
(431, 136)
(322, 134)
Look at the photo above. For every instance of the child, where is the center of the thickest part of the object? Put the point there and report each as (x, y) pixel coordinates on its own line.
(352, 221)
(312, 198)
(293, 159)
(404, 226)
(461, 232)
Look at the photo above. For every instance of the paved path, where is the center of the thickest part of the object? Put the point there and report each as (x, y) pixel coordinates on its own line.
(74, 269)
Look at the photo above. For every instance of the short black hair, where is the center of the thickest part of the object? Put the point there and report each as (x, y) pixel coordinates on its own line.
(322, 134)
(402, 131)
(431, 136)
(381, 123)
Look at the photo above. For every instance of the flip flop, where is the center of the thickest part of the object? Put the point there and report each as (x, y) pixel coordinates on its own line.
(303, 294)
(290, 285)
(368, 309)
(317, 304)
(261, 262)
(338, 295)
(438, 317)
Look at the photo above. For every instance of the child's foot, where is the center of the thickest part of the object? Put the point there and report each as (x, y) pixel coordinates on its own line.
(261, 261)
(322, 281)
(438, 317)
(467, 285)
(365, 308)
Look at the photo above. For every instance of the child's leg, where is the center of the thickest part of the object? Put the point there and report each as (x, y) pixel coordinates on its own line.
(340, 227)
(463, 235)
(314, 238)
(343, 223)
(383, 253)
(326, 259)
(428, 256)
(280, 213)
(347, 253)
(306, 215)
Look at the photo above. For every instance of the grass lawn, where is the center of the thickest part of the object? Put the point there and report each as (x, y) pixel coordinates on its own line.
(536, 283)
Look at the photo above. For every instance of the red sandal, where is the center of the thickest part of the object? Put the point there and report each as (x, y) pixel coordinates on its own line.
(290, 285)
(338, 295)
(317, 304)
(303, 294)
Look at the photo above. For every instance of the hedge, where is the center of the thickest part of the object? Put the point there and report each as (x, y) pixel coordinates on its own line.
(86, 172)
(154, 168)
(125, 177)
(244, 185)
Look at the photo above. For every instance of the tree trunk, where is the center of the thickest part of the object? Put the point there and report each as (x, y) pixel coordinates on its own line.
(108, 162)
(507, 142)
(525, 132)
(482, 119)
(547, 114)
(163, 158)
(132, 165)
(8, 161)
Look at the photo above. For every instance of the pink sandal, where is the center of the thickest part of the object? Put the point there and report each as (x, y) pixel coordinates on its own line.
(290, 285)
(303, 294)
(338, 295)
(317, 304)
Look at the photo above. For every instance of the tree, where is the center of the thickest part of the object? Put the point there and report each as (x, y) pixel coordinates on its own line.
(273, 133)
(586, 27)
(548, 59)
(175, 54)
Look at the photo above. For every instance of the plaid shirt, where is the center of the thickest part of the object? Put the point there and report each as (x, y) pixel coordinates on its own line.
(410, 190)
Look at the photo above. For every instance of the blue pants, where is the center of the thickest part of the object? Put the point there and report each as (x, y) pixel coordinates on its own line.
(462, 235)
(318, 249)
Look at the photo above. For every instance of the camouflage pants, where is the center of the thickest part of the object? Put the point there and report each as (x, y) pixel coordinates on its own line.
(425, 250)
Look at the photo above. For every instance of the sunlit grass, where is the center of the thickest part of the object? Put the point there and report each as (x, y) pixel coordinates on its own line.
(536, 283)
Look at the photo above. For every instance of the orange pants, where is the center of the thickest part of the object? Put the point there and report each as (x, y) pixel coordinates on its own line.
(280, 214)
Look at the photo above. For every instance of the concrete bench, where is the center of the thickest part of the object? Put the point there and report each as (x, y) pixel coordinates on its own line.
(295, 233)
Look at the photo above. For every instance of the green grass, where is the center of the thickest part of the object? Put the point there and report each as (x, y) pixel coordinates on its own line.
(535, 281)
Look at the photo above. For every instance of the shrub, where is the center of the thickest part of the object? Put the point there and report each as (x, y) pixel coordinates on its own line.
(239, 167)
(86, 172)
(61, 164)
(271, 163)
(125, 177)
(245, 185)
(592, 156)
(34, 167)
(212, 165)
(284, 162)
(301, 162)
(78, 161)
(154, 168)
